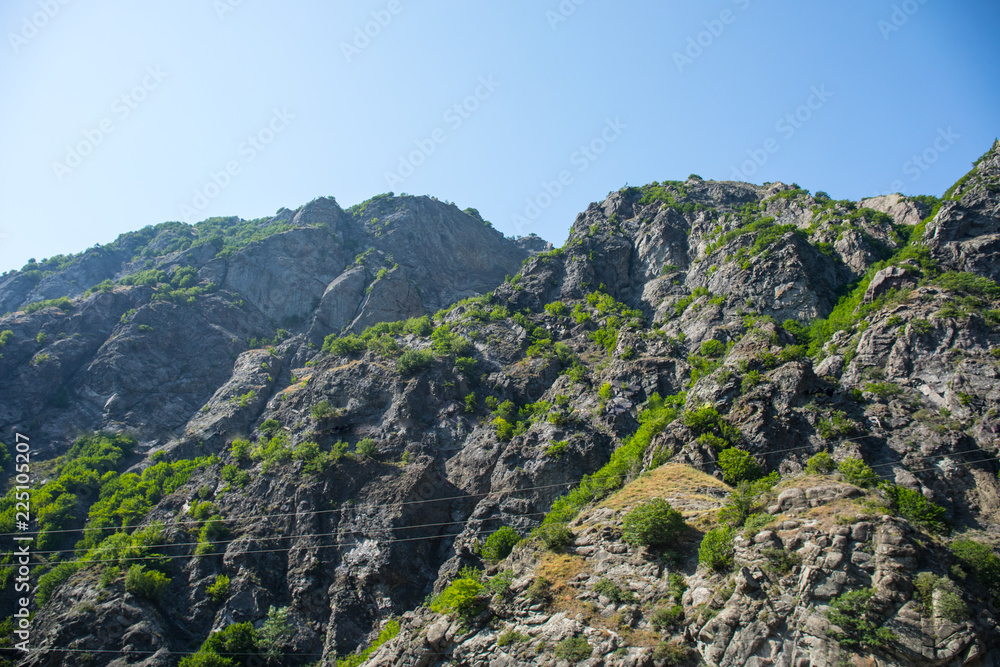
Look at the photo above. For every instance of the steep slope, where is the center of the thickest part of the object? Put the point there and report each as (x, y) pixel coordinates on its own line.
(705, 332)
(139, 334)
(618, 603)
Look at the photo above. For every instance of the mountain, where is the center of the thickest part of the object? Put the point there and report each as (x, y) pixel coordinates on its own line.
(742, 424)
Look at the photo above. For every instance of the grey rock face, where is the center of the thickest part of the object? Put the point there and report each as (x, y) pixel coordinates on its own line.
(965, 233)
(151, 370)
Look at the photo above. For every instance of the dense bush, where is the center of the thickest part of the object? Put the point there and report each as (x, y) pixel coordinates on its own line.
(272, 450)
(667, 617)
(450, 343)
(854, 613)
(969, 283)
(742, 503)
(716, 549)
(653, 524)
(738, 466)
(573, 649)
(322, 410)
(414, 361)
(857, 472)
(949, 600)
(53, 579)
(461, 596)
(212, 532)
(555, 536)
(233, 475)
(499, 545)
(240, 448)
(62, 303)
(343, 346)
(913, 506)
(707, 420)
(614, 592)
(820, 464)
(625, 461)
(219, 589)
(234, 645)
(366, 448)
(780, 561)
(388, 632)
(512, 637)
(671, 654)
(981, 561)
(150, 584)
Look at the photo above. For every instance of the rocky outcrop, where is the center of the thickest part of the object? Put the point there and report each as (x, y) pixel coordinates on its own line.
(965, 233)
(145, 360)
(770, 607)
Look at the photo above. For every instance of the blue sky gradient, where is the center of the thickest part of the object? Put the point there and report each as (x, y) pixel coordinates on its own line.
(241, 107)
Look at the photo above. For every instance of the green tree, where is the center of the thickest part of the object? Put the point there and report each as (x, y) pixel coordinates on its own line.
(820, 464)
(857, 472)
(462, 596)
(653, 524)
(573, 649)
(742, 503)
(276, 633)
(150, 584)
(916, 508)
(738, 465)
(366, 448)
(981, 561)
(855, 614)
(716, 549)
(499, 545)
(414, 361)
(219, 589)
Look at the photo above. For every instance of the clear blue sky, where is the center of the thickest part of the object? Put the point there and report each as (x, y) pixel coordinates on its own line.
(200, 78)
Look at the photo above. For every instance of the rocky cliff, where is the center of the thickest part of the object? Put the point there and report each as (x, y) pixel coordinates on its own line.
(732, 423)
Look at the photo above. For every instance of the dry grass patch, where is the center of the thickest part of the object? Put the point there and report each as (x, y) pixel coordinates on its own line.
(559, 569)
(838, 512)
(687, 489)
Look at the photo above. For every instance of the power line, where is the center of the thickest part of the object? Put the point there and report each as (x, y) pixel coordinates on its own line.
(432, 500)
(110, 561)
(354, 543)
(256, 517)
(299, 536)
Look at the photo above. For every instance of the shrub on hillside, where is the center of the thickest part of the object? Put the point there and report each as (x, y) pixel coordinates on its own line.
(716, 550)
(738, 465)
(149, 584)
(653, 524)
(857, 472)
(499, 545)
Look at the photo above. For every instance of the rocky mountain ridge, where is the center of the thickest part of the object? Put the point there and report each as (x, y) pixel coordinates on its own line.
(335, 485)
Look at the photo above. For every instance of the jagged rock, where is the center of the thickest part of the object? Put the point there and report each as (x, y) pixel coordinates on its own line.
(892, 277)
